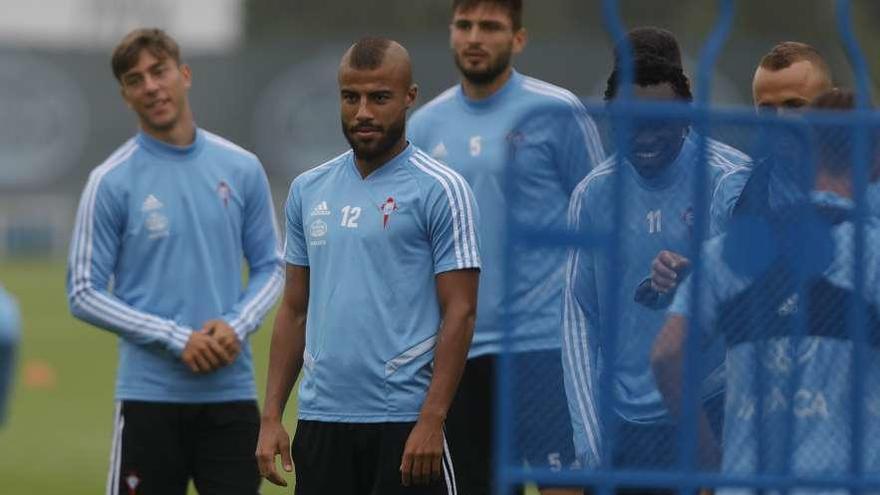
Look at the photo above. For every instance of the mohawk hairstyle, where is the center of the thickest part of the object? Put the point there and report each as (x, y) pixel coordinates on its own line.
(154, 40)
(368, 53)
(514, 8)
(784, 54)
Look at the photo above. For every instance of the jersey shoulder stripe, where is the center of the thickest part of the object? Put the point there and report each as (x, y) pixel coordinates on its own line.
(547, 89)
(324, 167)
(719, 155)
(461, 203)
(83, 291)
(730, 150)
(446, 95)
(229, 145)
(574, 208)
(588, 127)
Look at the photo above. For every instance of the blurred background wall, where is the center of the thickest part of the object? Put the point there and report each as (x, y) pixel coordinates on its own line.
(265, 76)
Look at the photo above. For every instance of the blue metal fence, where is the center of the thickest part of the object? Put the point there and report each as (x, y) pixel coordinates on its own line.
(756, 134)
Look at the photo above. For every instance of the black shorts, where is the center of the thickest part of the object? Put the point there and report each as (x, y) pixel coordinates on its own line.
(158, 447)
(358, 459)
(541, 422)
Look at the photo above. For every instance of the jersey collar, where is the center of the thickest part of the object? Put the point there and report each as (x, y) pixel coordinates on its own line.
(487, 104)
(171, 151)
(391, 164)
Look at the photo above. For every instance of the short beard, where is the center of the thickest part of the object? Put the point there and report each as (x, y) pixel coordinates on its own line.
(488, 75)
(391, 136)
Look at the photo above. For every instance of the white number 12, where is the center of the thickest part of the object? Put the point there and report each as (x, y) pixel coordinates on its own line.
(350, 215)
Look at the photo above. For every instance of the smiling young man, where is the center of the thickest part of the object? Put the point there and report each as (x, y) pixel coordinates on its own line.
(658, 172)
(469, 127)
(378, 310)
(156, 257)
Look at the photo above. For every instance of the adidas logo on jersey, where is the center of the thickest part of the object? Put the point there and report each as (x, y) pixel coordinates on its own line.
(151, 204)
(439, 152)
(320, 210)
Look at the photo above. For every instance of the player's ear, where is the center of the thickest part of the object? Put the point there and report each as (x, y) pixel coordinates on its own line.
(520, 40)
(186, 73)
(412, 94)
(124, 96)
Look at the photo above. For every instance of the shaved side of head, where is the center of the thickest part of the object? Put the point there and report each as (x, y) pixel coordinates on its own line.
(371, 53)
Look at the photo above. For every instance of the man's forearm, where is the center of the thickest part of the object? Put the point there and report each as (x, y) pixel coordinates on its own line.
(285, 359)
(450, 356)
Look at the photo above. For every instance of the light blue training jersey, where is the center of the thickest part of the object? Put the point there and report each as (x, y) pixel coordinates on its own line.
(158, 248)
(556, 145)
(658, 214)
(373, 247)
(10, 323)
(818, 409)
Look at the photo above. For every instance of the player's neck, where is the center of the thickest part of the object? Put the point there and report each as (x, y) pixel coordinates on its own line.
(478, 92)
(840, 186)
(367, 166)
(182, 133)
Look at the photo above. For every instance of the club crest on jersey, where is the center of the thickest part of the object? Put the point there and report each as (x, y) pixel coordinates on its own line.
(132, 481)
(687, 216)
(223, 192)
(387, 208)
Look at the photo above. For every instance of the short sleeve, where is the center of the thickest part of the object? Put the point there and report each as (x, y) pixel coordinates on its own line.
(725, 197)
(295, 249)
(452, 220)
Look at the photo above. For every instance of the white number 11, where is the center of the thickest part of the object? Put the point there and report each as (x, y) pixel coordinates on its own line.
(655, 221)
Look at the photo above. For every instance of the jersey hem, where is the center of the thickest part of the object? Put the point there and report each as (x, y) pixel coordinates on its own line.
(516, 347)
(358, 418)
(188, 399)
(452, 267)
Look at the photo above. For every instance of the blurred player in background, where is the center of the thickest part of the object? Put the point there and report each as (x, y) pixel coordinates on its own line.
(156, 258)
(787, 325)
(379, 305)
(470, 127)
(789, 77)
(657, 171)
(10, 323)
(786, 80)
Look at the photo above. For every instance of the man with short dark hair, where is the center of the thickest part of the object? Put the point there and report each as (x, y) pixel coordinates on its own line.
(378, 310)
(783, 306)
(658, 172)
(472, 127)
(161, 232)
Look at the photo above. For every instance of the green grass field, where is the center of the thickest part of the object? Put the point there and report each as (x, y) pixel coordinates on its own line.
(57, 437)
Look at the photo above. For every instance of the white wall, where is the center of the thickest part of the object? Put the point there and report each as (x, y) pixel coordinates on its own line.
(200, 26)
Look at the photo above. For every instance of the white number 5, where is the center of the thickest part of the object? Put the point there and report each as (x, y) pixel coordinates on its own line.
(476, 145)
